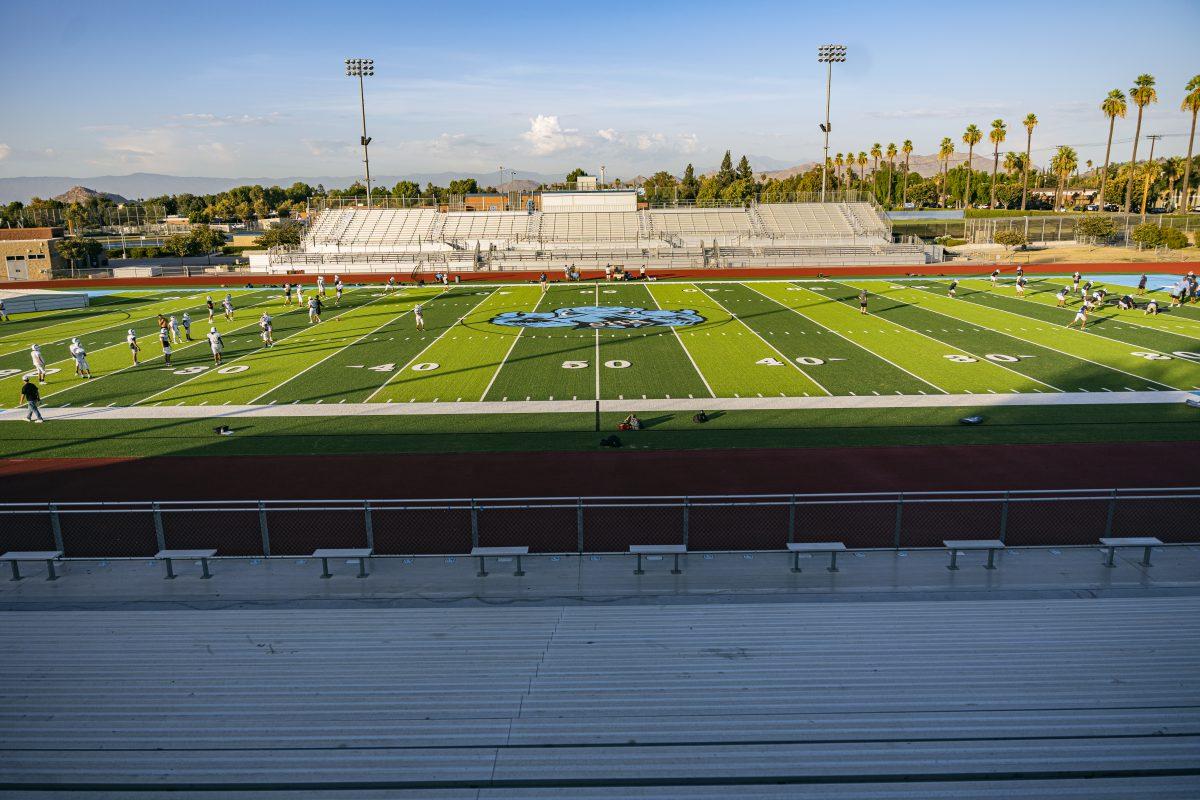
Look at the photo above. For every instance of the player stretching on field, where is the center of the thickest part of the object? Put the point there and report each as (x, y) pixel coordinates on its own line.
(953, 290)
(419, 316)
(39, 363)
(1061, 297)
(227, 303)
(134, 349)
(1151, 308)
(1021, 286)
(216, 344)
(80, 355)
(995, 277)
(1080, 317)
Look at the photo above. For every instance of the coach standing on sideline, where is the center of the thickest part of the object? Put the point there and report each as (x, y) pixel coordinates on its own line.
(30, 396)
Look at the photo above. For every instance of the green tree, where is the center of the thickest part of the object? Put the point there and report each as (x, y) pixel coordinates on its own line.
(1174, 238)
(862, 167)
(907, 149)
(891, 160)
(971, 137)
(660, 187)
(406, 190)
(1142, 94)
(77, 249)
(1064, 162)
(996, 136)
(689, 186)
(726, 175)
(1096, 228)
(463, 186)
(744, 171)
(180, 245)
(1191, 102)
(1113, 106)
(944, 152)
(205, 239)
(1030, 122)
(1147, 235)
(285, 234)
(739, 191)
(575, 174)
(1010, 238)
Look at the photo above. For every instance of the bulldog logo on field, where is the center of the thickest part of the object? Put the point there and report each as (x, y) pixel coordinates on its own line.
(599, 317)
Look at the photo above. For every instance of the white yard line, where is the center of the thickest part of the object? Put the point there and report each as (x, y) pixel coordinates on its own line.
(856, 344)
(679, 339)
(1048, 347)
(969, 402)
(413, 360)
(224, 363)
(786, 360)
(511, 347)
(341, 349)
(596, 304)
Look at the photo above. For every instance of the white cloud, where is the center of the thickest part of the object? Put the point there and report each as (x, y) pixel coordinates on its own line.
(608, 134)
(546, 136)
(650, 141)
(223, 120)
(5, 151)
(946, 112)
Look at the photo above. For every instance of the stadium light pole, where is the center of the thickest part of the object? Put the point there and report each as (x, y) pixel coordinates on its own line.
(827, 54)
(363, 68)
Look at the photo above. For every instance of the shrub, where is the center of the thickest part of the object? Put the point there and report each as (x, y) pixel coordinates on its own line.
(1174, 238)
(1010, 238)
(1099, 229)
(1147, 235)
(1196, 238)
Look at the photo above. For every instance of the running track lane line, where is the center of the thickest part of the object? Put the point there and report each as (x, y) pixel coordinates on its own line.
(786, 360)
(413, 360)
(972, 354)
(831, 330)
(344, 347)
(252, 352)
(1032, 320)
(511, 347)
(141, 363)
(679, 339)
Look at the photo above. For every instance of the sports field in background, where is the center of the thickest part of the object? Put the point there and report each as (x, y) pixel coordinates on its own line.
(627, 341)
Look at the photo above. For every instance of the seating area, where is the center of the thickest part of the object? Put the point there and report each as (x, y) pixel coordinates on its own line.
(589, 226)
(499, 226)
(700, 223)
(368, 230)
(829, 222)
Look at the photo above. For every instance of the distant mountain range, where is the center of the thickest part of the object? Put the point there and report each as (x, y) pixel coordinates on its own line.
(141, 185)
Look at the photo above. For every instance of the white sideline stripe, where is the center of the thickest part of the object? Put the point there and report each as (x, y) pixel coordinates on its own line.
(425, 349)
(541, 296)
(340, 349)
(679, 339)
(969, 402)
(6, 340)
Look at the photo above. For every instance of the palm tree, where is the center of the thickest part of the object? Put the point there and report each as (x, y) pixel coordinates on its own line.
(944, 152)
(907, 149)
(1191, 102)
(1030, 122)
(1142, 94)
(1064, 162)
(876, 154)
(891, 157)
(996, 136)
(838, 161)
(971, 137)
(1113, 106)
(862, 167)
(1150, 172)
(1171, 169)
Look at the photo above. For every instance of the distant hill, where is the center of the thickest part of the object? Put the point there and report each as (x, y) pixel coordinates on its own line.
(80, 194)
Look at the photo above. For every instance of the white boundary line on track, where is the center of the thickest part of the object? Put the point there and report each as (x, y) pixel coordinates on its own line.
(764, 341)
(102, 376)
(345, 347)
(1046, 346)
(802, 315)
(437, 339)
(542, 296)
(968, 402)
(255, 350)
(682, 346)
(976, 356)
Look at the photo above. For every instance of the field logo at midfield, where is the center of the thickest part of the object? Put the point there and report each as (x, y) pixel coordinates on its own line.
(599, 317)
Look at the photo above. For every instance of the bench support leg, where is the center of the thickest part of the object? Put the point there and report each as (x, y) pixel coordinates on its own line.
(676, 571)
(170, 572)
(638, 571)
(325, 568)
(204, 573)
(482, 572)
(1112, 554)
(52, 577)
(519, 571)
(16, 573)
(796, 562)
(362, 568)
(833, 561)
(991, 564)
(1146, 557)
(953, 558)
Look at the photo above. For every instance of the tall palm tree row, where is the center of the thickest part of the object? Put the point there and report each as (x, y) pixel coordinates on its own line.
(891, 159)
(1142, 94)
(1064, 162)
(876, 154)
(862, 166)
(1191, 102)
(971, 137)
(1113, 106)
(1030, 122)
(838, 161)
(944, 152)
(907, 149)
(996, 136)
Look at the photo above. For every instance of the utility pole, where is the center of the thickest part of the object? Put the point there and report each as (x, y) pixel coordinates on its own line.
(1153, 137)
(363, 68)
(827, 54)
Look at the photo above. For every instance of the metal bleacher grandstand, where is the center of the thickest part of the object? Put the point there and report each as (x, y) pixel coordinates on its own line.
(352, 238)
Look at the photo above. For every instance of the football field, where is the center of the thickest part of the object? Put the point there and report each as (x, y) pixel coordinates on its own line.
(684, 341)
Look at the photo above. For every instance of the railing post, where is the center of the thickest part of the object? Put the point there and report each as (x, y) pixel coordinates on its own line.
(158, 527)
(1112, 510)
(474, 524)
(1004, 517)
(899, 519)
(56, 528)
(369, 525)
(685, 522)
(262, 527)
(579, 524)
(792, 520)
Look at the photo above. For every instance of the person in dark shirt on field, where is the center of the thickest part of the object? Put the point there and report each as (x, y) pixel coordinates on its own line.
(1141, 287)
(30, 396)
(953, 288)
(862, 302)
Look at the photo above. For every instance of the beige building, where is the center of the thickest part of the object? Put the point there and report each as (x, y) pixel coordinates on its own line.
(30, 254)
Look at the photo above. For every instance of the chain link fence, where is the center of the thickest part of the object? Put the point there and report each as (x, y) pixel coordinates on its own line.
(601, 524)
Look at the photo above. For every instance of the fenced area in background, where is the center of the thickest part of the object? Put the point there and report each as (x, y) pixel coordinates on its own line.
(601, 524)
(1037, 228)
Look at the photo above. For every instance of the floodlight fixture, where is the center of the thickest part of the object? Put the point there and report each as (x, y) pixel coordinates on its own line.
(363, 68)
(828, 54)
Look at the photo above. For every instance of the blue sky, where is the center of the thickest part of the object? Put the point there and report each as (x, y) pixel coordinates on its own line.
(258, 89)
